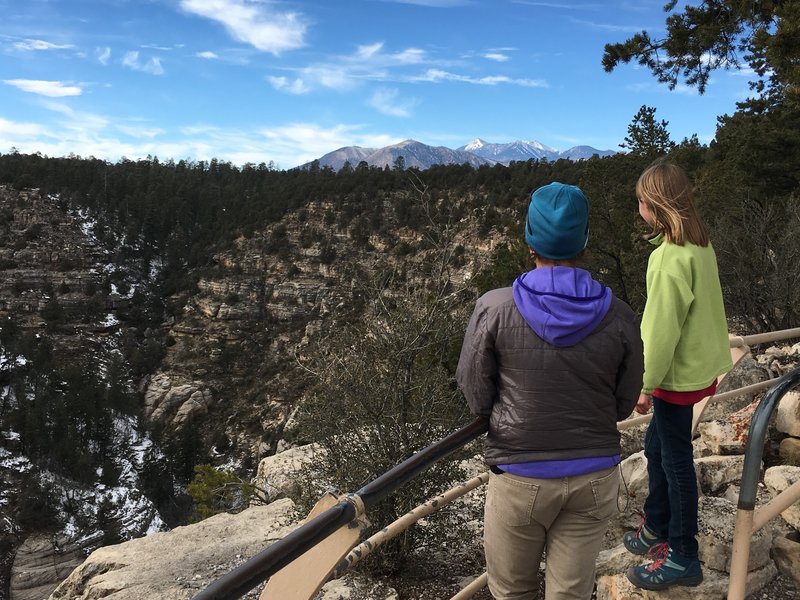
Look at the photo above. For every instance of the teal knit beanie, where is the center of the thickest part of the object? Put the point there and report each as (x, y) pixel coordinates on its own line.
(557, 226)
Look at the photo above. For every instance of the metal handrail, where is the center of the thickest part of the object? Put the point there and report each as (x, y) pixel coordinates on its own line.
(269, 561)
(746, 524)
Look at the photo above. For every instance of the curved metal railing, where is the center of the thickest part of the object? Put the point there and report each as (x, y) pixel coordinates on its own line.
(748, 520)
(352, 506)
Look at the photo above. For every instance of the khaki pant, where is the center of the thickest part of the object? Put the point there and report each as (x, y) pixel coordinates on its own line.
(567, 517)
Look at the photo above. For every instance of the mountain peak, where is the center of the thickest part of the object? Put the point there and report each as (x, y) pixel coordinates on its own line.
(475, 144)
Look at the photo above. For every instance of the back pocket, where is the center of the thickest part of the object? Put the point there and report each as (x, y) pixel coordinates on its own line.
(511, 499)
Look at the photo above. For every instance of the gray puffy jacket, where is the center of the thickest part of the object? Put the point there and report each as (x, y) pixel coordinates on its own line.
(545, 401)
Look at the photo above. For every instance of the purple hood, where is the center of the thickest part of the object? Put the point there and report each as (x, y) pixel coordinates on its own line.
(561, 304)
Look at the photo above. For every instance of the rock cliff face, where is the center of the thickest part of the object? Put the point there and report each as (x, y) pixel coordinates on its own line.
(46, 257)
(232, 345)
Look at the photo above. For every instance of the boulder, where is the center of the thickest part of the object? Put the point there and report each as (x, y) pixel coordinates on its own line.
(715, 473)
(720, 437)
(41, 562)
(747, 372)
(278, 476)
(716, 524)
(786, 553)
(176, 565)
(779, 478)
(788, 418)
(789, 451)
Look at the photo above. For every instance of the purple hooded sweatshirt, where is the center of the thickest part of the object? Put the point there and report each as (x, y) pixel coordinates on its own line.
(562, 305)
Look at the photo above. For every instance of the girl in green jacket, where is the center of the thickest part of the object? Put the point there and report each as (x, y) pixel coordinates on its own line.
(686, 348)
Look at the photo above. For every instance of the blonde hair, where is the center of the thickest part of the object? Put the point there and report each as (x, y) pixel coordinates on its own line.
(667, 192)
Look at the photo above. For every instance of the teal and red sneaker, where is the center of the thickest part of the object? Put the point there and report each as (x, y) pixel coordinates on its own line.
(668, 569)
(640, 541)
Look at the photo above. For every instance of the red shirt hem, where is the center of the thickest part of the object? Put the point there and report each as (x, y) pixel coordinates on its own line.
(685, 398)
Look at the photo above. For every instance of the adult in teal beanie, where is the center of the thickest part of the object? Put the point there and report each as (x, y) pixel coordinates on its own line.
(557, 226)
(554, 361)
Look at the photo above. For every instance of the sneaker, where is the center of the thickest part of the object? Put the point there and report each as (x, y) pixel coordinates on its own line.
(640, 541)
(669, 568)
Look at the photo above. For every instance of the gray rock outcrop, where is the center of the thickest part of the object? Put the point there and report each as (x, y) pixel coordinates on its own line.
(41, 563)
(177, 564)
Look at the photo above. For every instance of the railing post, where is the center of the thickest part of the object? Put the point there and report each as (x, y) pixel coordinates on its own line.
(751, 472)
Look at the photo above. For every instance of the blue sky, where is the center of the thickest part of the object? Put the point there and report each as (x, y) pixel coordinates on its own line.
(288, 81)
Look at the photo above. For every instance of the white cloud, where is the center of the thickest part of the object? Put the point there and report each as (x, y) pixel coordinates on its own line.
(86, 135)
(368, 62)
(253, 22)
(436, 75)
(371, 55)
(152, 66)
(53, 89)
(40, 45)
(77, 121)
(14, 130)
(296, 86)
(497, 56)
(332, 77)
(103, 55)
(162, 48)
(385, 101)
(207, 54)
(298, 143)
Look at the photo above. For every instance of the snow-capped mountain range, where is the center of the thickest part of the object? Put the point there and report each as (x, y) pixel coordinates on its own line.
(476, 153)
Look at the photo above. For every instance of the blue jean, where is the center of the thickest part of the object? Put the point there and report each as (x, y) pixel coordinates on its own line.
(671, 505)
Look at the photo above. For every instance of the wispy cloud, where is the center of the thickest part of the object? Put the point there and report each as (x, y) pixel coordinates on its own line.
(386, 101)
(375, 57)
(15, 130)
(436, 75)
(78, 120)
(613, 27)
(103, 55)
(40, 45)
(367, 62)
(152, 66)
(295, 86)
(208, 54)
(162, 48)
(140, 131)
(496, 56)
(253, 23)
(53, 89)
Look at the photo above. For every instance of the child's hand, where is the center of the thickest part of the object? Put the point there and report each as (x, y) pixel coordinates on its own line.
(644, 404)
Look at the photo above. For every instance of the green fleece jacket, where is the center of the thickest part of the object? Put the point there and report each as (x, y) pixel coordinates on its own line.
(684, 330)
